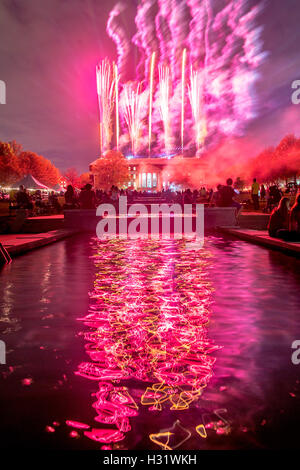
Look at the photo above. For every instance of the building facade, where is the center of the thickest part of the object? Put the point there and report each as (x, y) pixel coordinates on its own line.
(152, 174)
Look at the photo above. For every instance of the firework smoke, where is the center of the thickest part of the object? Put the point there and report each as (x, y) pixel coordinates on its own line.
(222, 39)
(117, 33)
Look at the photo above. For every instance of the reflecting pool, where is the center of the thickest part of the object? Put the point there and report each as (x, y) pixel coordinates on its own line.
(150, 345)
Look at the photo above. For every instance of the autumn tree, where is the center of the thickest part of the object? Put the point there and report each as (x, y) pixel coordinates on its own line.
(112, 169)
(84, 178)
(263, 167)
(288, 156)
(39, 167)
(72, 177)
(9, 165)
(15, 163)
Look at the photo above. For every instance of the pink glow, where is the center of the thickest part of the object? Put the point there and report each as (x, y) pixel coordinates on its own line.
(77, 424)
(223, 41)
(147, 325)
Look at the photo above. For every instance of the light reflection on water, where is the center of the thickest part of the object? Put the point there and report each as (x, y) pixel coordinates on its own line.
(250, 297)
(148, 322)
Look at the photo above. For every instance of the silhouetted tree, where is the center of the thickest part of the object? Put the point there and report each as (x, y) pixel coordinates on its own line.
(72, 177)
(9, 165)
(112, 169)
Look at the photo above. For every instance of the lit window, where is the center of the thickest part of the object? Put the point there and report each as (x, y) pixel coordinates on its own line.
(144, 176)
(154, 179)
(149, 180)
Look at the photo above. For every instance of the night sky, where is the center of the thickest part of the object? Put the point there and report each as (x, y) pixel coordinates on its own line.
(48, 53)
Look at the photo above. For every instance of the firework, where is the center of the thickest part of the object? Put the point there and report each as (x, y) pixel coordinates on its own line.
(132, 110)
(164, 95)
(195, 91)
(105, 90)
(182, 96)
(151, 98)
(116, 81)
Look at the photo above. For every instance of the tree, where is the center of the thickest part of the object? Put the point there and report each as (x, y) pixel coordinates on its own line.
(112, 169)
(39, 167)
(84, 179)
(273, 164)
(263, 167)
(72, 177)
(16, 147)
(16, 163)
(9, 165)
(288, 156)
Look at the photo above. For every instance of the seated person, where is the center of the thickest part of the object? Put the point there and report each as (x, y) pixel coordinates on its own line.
(279, 218)
(216, 196)
(70, 198)
(23, 199)
(53, 201)
(226, 195)
(293, 234)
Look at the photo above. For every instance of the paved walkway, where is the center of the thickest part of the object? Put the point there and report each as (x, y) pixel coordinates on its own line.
(254, 220)
(47, 217)
(17, 244)
(261, 237)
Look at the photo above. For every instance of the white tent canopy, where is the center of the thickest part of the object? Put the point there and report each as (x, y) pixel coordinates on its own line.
(29, 182)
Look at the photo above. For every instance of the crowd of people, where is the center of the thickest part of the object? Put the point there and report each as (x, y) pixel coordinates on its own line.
(284, 222)
(225, 195)
(22, 199)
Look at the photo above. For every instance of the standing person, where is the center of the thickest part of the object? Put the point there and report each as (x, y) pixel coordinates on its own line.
(87, 197)
(254, 194)
(227, 193)
(262, 192)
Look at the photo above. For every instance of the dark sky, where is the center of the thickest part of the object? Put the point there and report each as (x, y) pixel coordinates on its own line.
(48, 53)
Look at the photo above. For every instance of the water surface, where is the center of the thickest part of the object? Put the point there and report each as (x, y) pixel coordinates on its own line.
(147, 345)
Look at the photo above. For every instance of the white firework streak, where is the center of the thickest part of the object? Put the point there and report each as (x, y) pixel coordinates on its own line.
(106, 92)
(164, 105)
(133, 106)
(195, 92)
